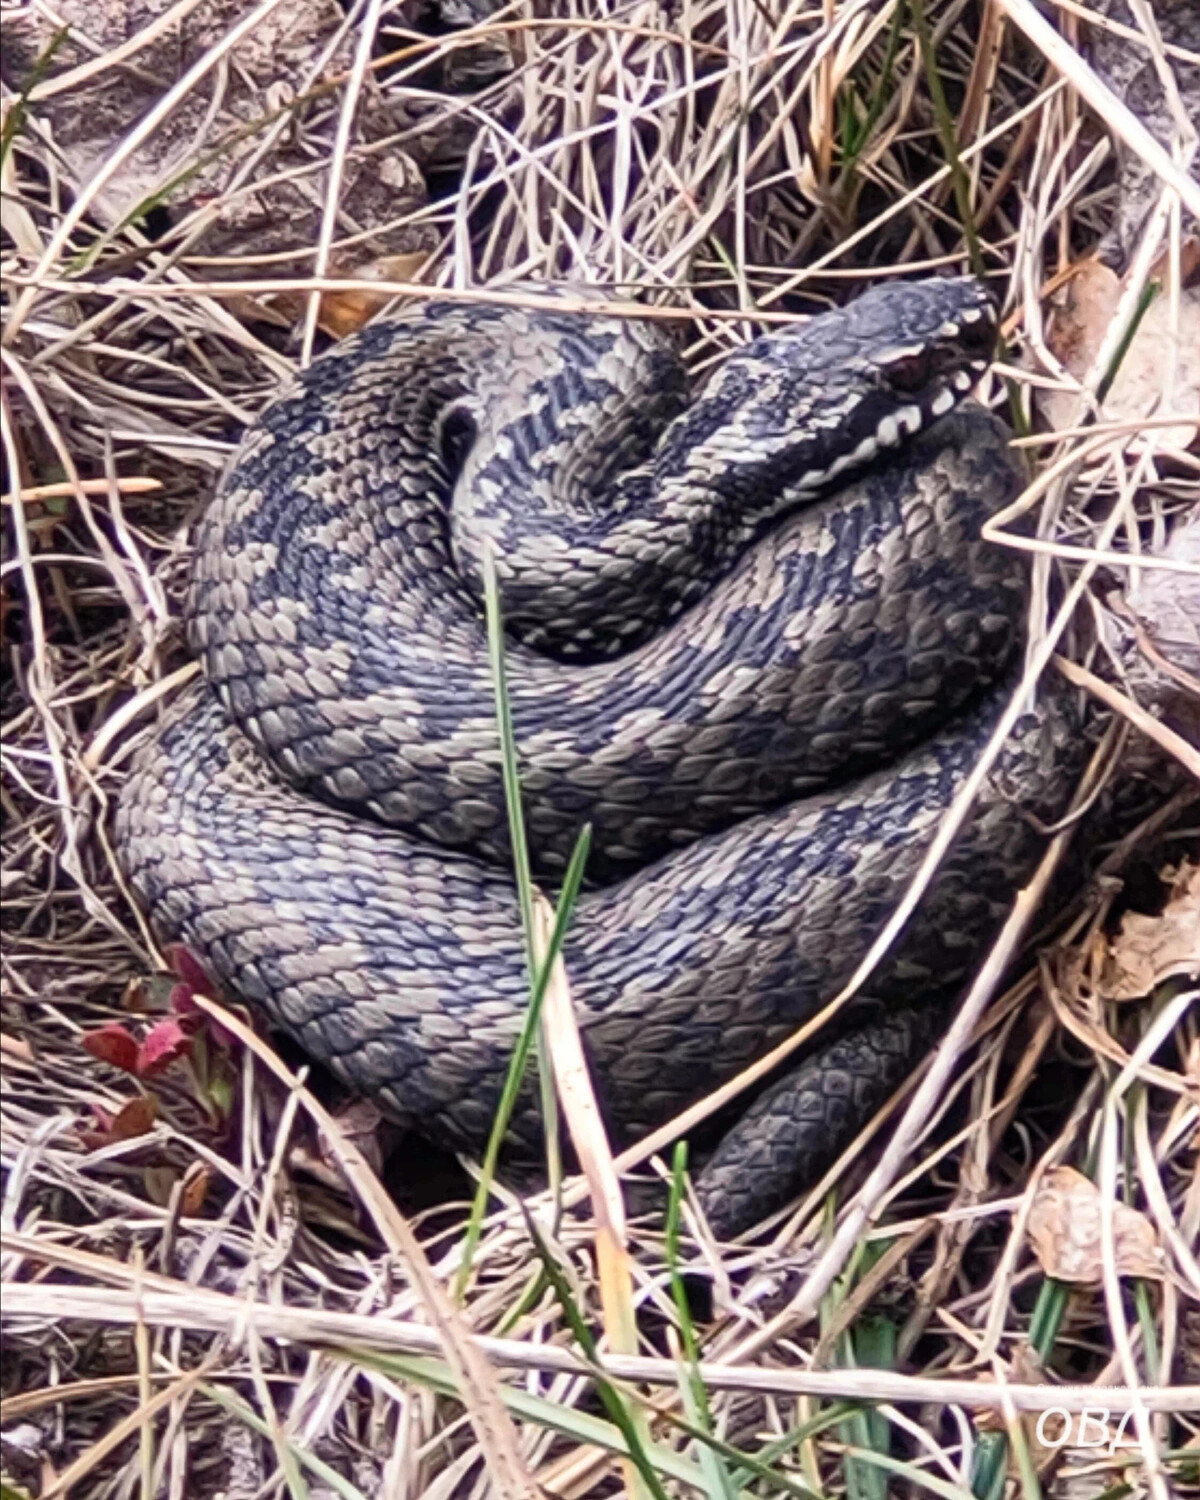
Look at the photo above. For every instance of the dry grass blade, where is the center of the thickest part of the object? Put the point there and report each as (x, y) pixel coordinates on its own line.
(946, 1059)
(489, 1417)
(162, 1301)
(1111, 109)
(1174, 744)
(588, 1136)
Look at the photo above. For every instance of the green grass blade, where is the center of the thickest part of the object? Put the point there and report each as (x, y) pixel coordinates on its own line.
(611, 1399)
(1149, 292)
(944, 118)
(857, 135)
(508, 752)
(434, 1375)
(918, 1477)
(520, 846)
(539, 970)
(520, 1058)
(691, 1386)
(989, 1467)
(829, 1417)
(15, 118)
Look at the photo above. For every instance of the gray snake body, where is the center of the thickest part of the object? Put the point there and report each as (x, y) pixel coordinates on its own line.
(777, 687)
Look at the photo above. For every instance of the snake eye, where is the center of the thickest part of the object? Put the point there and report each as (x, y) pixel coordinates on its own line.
(909, 370)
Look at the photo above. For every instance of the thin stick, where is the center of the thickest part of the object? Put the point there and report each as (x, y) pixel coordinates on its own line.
(166, 1302)
(1162, 734)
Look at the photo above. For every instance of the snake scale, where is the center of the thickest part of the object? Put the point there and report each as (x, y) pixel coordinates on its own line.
(756, 642)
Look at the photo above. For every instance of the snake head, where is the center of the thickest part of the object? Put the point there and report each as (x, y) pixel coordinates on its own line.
(926, 342)
(892, 362)
(803, 405)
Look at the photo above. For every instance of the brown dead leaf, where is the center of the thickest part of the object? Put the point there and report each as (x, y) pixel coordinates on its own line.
(1065, 1232)
(196, 1183)
(1149, 950)
(1077, 334)
(344, 313)
(135, 1117)
(1189, 260)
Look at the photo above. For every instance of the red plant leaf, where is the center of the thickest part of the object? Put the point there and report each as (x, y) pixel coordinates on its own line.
(183, 1003)
(164, 1042)
(111, 1043)
(189, 968)
(182, 1000)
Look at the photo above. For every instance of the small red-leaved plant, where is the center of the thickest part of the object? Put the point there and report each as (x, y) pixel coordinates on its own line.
(186, 1036)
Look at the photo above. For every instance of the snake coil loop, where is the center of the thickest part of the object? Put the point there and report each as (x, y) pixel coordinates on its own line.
(756, 644)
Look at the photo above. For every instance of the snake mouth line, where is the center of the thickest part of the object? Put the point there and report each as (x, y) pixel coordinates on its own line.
(901, 422)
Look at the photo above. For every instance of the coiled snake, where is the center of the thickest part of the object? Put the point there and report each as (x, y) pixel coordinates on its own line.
(760, 681)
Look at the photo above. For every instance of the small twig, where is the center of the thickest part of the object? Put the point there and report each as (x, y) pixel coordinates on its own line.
(171, 1303)
(120, 719)
(1162, 734)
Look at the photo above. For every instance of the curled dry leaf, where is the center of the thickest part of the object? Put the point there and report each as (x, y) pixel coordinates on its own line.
(163, 1182)
(196, 1183)
(1149, 950)
(343, 313)
(1065, 1230)
(1161, 343)
(135, 1117)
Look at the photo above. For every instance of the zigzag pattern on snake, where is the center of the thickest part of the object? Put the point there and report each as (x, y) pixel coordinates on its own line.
(756, 642)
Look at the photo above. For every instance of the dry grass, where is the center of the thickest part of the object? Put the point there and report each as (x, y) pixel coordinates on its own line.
(198, 1310)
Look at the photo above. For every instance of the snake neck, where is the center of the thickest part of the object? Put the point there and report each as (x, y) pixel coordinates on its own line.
(610, 505)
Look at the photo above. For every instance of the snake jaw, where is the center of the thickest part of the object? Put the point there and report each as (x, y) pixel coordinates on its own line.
(908, 386)
(886, 415)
